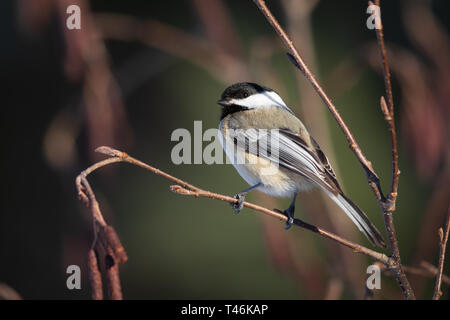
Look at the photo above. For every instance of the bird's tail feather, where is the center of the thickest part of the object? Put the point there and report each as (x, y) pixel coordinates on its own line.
(359, 218)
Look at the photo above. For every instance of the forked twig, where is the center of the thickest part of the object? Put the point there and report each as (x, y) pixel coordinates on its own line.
(106, 245)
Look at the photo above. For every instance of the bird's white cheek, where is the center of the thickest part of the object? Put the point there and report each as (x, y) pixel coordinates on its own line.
(260, 100)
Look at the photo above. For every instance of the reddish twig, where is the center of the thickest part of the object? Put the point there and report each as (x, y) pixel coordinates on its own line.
(443, 238)
(95, 276)
(389, 116)
(106, 244)
(433, 271)
(389, 204)
(113, 279)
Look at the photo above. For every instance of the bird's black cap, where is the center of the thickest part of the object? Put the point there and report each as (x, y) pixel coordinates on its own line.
(238, 91)
(242, 90)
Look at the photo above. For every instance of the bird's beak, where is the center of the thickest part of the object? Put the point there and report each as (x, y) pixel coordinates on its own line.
(223, 102)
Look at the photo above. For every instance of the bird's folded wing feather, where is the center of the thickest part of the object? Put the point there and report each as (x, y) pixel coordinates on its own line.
(289, 150)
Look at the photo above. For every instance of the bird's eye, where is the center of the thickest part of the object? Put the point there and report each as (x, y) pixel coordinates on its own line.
(245, 94)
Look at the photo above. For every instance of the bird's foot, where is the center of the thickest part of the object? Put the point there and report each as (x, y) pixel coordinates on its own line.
(289, 213)
(237, 206)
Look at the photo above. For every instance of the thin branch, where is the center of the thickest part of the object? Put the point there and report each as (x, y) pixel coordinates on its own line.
(387, 206)
(95, 276)
(443, 238)
(426, 270)
(106, 244)
(386, 70)
(389, 116)
(184, 188)
(391, 122)
(297, 222)
(433, 271)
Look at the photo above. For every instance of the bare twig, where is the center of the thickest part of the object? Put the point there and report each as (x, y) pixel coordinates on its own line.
(95, 276)
(387, 205)
(113, 279)
(106, 244)
(426, 270)
(443, 238)
(390, 118)
(433, 271)
(388, 112)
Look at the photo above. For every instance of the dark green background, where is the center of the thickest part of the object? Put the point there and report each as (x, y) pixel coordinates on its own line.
(178, 247)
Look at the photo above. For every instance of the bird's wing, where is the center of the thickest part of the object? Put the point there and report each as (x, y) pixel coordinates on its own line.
(289, 150)
(318, 155)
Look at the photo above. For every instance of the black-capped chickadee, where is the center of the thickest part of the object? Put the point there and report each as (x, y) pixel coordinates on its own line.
(272, 150)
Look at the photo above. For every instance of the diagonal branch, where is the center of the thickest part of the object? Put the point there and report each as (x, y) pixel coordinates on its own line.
(295, 57)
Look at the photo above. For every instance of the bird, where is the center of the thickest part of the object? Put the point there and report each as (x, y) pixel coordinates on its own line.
(274, 153)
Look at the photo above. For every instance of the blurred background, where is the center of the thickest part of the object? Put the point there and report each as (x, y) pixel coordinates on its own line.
(137, 70)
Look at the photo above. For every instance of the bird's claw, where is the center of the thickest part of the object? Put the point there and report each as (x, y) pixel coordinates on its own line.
(289, 222)
(289, 214)
(237, 206)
